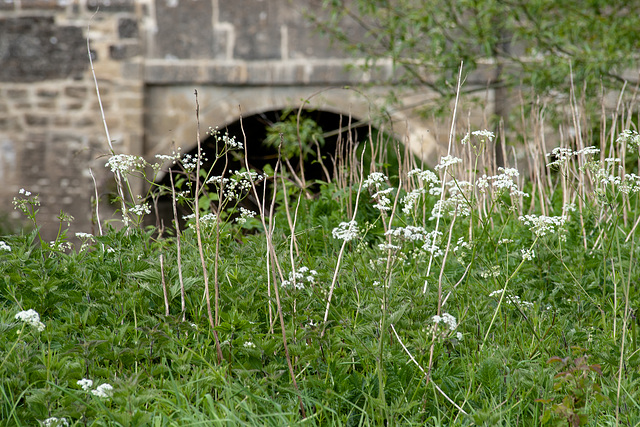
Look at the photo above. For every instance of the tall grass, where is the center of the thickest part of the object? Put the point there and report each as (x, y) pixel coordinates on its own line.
(467, 294)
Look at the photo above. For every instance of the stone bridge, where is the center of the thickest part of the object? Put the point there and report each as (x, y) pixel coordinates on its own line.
(244, 57)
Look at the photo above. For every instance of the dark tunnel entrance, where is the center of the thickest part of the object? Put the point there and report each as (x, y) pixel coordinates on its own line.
(330, 133)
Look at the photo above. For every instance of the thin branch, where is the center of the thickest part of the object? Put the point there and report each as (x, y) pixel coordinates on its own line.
(425, 373)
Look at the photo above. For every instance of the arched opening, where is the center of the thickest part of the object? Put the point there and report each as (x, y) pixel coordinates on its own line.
(325, 136)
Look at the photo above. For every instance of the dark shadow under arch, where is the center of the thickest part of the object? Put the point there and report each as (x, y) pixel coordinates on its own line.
(339, 133)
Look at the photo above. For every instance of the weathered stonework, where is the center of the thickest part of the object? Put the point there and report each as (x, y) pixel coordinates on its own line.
(243, 56)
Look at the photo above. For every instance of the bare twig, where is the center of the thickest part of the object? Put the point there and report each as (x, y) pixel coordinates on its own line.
(178, 246)
(199, 235)
(164, 287)
(425, 373)
(117, 174)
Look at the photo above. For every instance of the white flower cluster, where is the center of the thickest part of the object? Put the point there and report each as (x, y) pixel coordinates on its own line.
(236, 186)
(228, 141)
(424, 177)
(482, 135)
(630, 184)
(23, 204)
(447, 319)
(512, 299)
(542, 225)
(140, 209)
(461, 247)
(388, 247)
(631, 138)
(427, 177)
(561, 156)
(494, 271)
(85, 383)
(206, 220)
(410, 200)
(84, 236)
(248, 344)
(299, 277)
(431, 241)
(410, 232)
(528, 254)
(455, 204)
(383, 203)
(103, 390)
(346, 231)
(376, 180)
(447, 161)
(173, 157)
(125, 163)
(588, 151)
(244, 215)
(4, 246)
(189, 162)
(31, 318)
(505, 180)
(55, 422)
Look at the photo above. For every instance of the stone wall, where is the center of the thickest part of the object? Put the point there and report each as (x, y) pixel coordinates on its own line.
(51, 131)
(148, 56)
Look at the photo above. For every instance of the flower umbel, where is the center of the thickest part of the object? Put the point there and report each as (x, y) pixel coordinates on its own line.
(346, 231)
(85, 383)
(103, 390)
(447, 319)
(32, 318)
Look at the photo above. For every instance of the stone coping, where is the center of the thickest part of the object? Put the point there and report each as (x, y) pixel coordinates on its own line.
(260, 73)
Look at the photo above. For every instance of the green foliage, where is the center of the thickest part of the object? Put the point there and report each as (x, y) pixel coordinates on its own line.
(299, 138)
(536, 44)
(441, 302)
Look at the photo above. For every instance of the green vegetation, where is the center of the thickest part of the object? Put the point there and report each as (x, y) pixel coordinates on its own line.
(462, 295)
(532, 45)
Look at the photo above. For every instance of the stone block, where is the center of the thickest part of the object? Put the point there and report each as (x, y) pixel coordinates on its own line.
(111, 5)
(46, 105)
(47, 93)
(305, 38)
(257, 28)
(61, 120)
(36, 120)
(135, 104)
(185, 29)
(127, 28)
(74, 105)
(229, 74)
(35, 49)
(20, 94)
(75, 91)
(222, 36)
(43, 4)
(334, 74)
(124, 51)
(131, 70)
(83, 121)
(171, 73)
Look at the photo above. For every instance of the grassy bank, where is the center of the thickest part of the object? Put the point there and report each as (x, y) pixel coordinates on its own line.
(461, 295)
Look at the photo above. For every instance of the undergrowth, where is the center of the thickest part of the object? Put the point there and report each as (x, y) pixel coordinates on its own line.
(461, 295)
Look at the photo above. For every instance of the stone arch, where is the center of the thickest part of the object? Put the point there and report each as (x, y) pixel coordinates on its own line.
(171, 121)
